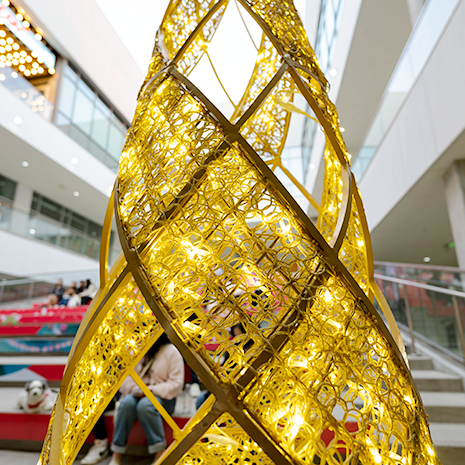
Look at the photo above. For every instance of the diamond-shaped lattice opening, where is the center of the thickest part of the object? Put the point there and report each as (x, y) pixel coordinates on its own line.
(225, 443)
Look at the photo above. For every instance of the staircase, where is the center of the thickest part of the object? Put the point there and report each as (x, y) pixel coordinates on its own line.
(443, 396)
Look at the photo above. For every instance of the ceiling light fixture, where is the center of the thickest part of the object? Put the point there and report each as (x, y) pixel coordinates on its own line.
(74, 161)
(17, 120)
(32, 231)
(312, 166)
(333, 72)
(426, 259)
(25, 164)
(76, 194)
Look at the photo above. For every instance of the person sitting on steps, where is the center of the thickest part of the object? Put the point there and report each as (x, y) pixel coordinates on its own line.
(162, 370)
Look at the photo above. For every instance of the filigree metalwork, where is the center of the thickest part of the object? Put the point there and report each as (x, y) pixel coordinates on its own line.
(210, 239)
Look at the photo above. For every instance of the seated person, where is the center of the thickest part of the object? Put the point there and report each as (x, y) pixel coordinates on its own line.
(53, 301)
(58, 291)
(162, 370)
(74, 299)
(88, 293)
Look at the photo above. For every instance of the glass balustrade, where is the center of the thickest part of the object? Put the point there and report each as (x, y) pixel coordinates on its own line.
(446, 277)
(26, 92)
(43, 229)
(434, 314)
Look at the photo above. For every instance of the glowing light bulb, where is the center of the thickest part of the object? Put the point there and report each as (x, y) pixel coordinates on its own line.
(38, 36)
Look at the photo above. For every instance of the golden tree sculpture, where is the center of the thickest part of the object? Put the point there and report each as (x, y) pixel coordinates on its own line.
(211, 238)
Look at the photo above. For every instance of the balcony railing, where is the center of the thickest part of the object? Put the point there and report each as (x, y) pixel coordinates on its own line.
(429, 312)
(35, 226)
(26, 92)
(447, 277)
(41, 285)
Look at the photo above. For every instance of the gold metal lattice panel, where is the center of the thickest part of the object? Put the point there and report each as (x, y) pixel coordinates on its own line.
(211, 239)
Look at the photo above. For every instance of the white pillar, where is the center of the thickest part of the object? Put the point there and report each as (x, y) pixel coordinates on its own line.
(455, 196)
(22, 207)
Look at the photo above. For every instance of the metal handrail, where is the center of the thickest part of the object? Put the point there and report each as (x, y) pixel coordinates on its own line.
(440, 290)
(42, 277)
(451, 269)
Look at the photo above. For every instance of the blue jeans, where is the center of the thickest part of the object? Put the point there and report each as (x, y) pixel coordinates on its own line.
(201, 399)
(141, 408)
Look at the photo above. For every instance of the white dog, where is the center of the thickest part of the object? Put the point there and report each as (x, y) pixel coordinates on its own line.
(36, 397)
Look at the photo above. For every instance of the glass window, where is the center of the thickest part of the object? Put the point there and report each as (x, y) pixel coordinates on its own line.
(7, 188)
(94, 229)
(329, 20)
(79, 222)
(89, 121)
(83, 112)
(36, 201)
(51, 209)
(115, 142)
(71, 74)
(86, 90)
(76, 134)
(67, 93)
(101, 127)
(63, 123)
(98, 152)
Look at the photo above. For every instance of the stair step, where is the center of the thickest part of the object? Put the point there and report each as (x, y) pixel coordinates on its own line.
(420, 362)
(437, 381)
(444, 407)
(449, 441)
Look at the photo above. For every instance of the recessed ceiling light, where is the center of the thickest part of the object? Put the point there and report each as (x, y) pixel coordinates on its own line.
(342, 129)
(32, 231)
(25, 164)
(312, 166)
(426, 259)
(333, 72)
(76, 194)
(74, 161)
(18, 120)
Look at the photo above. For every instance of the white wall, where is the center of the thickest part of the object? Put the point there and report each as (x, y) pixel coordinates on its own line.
(79, 31)
(430, 120)
(49, 152)
(20, 256)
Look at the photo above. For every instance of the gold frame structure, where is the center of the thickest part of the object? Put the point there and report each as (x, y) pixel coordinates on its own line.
(211, 238)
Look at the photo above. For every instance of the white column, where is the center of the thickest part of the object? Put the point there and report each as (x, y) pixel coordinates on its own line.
(455, 196)
(22, 207)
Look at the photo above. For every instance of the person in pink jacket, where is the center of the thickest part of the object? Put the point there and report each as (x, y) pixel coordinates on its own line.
(162, 370)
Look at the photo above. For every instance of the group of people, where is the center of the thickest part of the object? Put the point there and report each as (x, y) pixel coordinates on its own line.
(162, 370)
(74, 295)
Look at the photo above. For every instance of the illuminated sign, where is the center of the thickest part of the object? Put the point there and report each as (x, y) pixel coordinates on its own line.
(26, 36)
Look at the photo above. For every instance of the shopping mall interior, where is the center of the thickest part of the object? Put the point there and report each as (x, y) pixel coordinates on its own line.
(71, 74)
